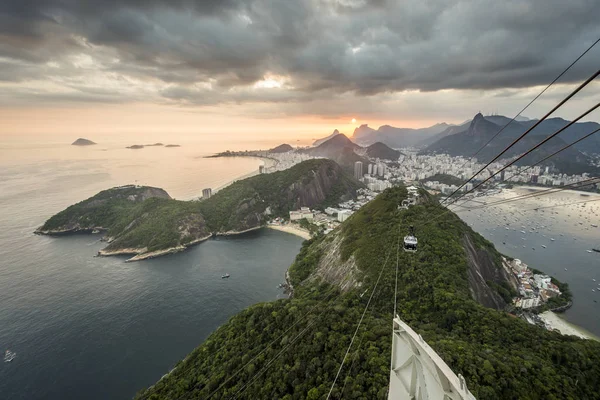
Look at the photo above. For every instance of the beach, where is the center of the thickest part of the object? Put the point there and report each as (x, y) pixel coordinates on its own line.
(553, 321)
(291, 228)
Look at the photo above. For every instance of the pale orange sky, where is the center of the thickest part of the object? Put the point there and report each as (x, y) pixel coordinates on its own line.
(161, 120)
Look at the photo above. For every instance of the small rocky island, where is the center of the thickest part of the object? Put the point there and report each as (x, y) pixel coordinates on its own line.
(173, 145)
(83, 142)
(136, 146)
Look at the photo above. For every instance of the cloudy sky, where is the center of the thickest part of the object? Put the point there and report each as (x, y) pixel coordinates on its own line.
(298, 67)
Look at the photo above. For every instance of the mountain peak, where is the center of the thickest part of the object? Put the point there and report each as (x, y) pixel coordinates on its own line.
(476, 123)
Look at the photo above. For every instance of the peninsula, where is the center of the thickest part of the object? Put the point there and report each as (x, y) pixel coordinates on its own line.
(146, 222)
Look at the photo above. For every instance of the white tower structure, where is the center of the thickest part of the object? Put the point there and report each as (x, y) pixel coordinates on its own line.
(418, 373)
(358, 170)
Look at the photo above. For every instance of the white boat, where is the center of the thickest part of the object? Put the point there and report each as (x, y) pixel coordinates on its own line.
(225, 276)
(552, 239)
(9, 356)
(589, 251)
(544, 246)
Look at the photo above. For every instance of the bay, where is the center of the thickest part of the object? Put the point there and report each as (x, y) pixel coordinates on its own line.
(99, 328)
(560, 216)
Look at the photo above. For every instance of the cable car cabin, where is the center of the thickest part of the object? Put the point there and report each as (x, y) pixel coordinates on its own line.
(410, 243)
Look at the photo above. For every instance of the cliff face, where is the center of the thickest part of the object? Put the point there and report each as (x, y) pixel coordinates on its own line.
(320, 185)
(482, 270)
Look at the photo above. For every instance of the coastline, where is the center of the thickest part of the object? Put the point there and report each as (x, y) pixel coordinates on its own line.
(142, 254)
(554, 321)
(268, 163)
(291, 229)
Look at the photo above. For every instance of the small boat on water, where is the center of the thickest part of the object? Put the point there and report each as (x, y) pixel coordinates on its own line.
(9, 356)
(225, 276)
(589, 251)
(544, 246)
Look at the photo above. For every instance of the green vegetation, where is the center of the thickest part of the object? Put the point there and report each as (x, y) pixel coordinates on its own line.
(313, 229)
(142, 217)
(501, 356)
(444, 178)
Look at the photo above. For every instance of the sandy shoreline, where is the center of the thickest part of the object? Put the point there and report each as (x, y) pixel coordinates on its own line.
(555, 322)
(268, 163)
(289, 228)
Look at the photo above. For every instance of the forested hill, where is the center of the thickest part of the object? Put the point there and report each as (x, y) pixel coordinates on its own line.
(147, 222)
(292, 349)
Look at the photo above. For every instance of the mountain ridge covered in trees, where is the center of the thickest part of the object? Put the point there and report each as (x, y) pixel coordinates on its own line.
(292, 348)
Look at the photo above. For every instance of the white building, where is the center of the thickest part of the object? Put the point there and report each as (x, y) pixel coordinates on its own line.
(358, 170)
(331, 211)
(304, 212)
(528, 303)
(343, 215)
(381, 169)
(542, 281)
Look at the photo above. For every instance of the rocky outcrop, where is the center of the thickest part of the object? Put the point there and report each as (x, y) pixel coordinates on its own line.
(483, 268)
(331, 268)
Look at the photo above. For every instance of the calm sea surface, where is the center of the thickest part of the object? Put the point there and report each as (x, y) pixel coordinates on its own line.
(567, 257)
(99, 328)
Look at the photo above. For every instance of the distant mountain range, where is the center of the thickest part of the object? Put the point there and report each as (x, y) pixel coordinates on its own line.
(466, 139)
(397, 137)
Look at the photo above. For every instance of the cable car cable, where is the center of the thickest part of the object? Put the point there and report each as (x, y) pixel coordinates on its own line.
(530, 103)
(562, 102)
(358, 326)
(530, 150)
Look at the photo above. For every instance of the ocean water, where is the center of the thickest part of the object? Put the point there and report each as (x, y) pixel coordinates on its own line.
(567, 257)
(99, 328)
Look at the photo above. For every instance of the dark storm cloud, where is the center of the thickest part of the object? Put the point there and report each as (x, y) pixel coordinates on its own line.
(321, 46)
